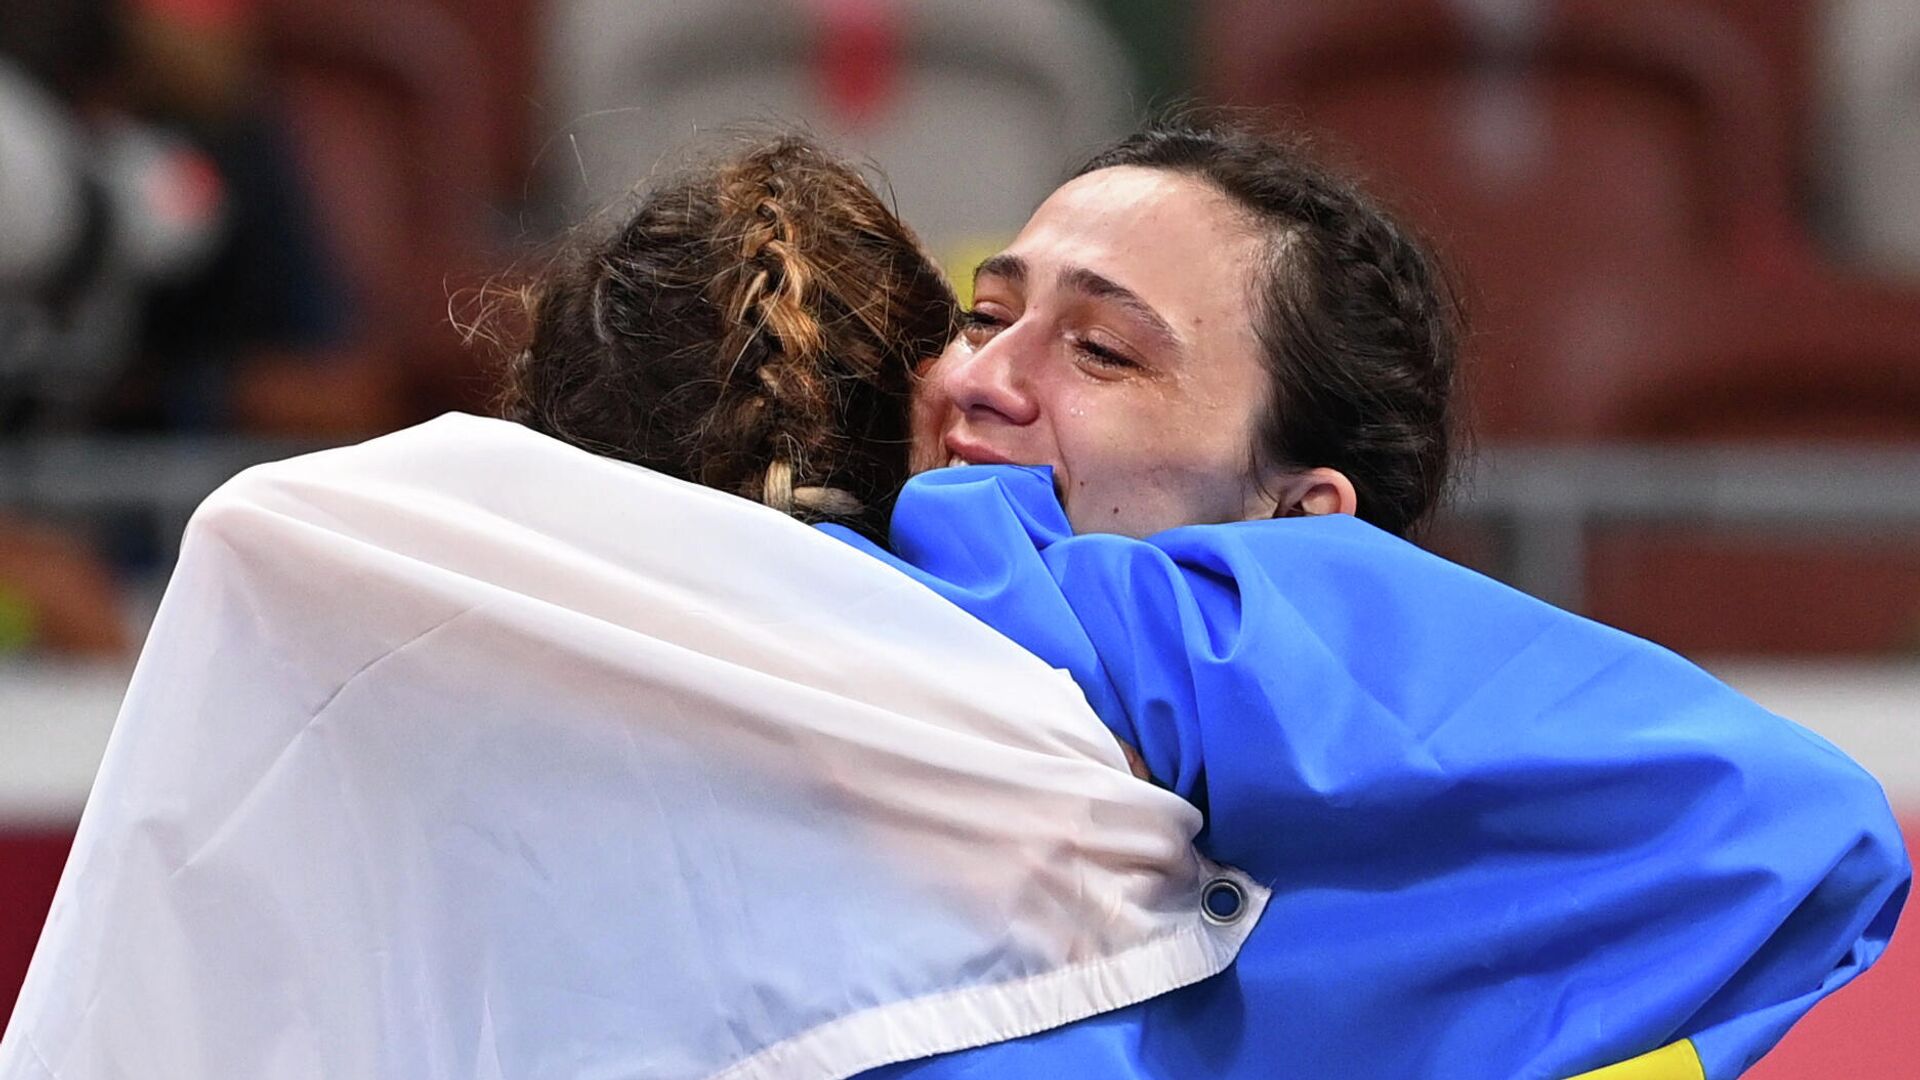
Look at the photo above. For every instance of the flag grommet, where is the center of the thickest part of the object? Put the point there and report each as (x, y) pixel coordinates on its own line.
(1223, 901)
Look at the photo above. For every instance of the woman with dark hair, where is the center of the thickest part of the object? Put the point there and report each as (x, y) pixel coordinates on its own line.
(1227, 308)
(1486, 821)
(1504, 840)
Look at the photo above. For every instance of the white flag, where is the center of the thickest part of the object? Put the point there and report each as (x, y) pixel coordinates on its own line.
(466, 754)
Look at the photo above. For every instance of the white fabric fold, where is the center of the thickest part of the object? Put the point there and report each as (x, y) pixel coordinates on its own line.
(465, 754)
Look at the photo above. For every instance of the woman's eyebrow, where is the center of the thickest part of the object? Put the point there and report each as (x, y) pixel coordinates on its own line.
(1012, 268)
(1089, 283)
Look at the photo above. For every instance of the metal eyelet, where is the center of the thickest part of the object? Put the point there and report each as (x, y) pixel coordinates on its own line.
(1222, 901)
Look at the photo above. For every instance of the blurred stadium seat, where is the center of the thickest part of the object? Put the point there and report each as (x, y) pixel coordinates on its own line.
(1815, 361)
(1871, 144)
(1784, 34)
(1592, 166)
(505, 37)
(976, 108)
(392, 129)
(1843, 72)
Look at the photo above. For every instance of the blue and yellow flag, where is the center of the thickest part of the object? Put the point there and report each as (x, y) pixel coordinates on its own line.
(1503, 840)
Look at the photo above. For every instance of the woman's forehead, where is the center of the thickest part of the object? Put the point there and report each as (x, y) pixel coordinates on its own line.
(1132, 202)
(1172, 240)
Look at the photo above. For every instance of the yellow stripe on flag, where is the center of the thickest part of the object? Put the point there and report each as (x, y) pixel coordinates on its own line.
(1674, 1061)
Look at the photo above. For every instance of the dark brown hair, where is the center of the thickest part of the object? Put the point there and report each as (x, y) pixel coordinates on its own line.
(752, 326)
(1359, 329)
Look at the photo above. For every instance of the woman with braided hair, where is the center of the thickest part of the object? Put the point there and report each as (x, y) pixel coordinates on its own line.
(470, 751)
(754, 329)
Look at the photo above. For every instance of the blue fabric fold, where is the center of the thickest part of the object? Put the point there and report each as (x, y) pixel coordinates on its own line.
(1503, 840)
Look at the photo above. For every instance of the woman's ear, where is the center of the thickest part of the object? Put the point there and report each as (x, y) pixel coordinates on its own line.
(1314, 492)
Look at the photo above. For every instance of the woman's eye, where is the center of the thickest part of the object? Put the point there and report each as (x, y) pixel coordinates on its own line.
(977, 325)
(1095, 353)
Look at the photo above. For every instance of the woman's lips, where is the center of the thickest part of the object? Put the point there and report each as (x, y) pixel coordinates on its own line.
(962, 452)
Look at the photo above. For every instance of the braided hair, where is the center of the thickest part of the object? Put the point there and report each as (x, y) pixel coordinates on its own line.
(752, 326)
(1359, 332)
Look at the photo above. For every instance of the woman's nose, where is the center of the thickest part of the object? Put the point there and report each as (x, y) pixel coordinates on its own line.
(992, 378)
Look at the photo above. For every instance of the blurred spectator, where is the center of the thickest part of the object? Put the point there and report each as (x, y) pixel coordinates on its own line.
(1872, 138)
(91, 216)
(62, 44)
(157, 214)
(271, 290)
(40, 200)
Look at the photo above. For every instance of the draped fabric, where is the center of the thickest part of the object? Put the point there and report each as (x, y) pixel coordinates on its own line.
(1502, 840)
(466, 754)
